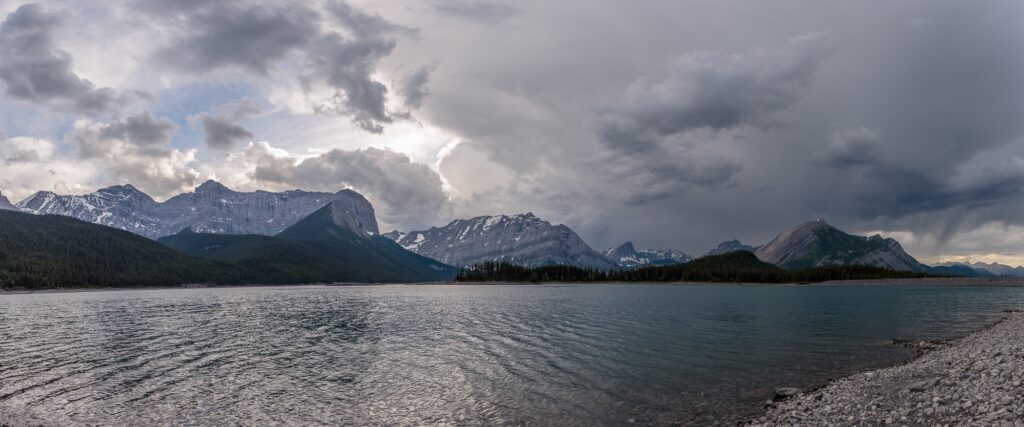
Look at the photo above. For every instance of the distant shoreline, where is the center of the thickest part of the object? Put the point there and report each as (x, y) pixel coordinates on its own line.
(991, 282)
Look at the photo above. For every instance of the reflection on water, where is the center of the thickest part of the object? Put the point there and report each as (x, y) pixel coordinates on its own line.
(402, 355)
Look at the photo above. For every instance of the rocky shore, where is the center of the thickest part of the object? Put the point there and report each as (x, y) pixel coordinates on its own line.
(975, 380)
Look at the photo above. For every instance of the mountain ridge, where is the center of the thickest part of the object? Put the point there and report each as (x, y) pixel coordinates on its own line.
(211, 207)
(327, 245)
(816, 243)
(627, 256)
(523, 239)
(53, 251)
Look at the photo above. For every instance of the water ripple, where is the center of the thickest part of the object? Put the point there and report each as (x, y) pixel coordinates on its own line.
(450, 355)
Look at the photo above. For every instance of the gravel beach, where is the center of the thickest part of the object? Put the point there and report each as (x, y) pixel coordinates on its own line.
(975, 380)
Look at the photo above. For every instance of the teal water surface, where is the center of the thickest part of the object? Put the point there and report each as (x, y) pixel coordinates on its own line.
(453, 354)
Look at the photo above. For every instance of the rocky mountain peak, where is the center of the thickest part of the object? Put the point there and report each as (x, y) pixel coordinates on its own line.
(627, 256)
(522, 239)
(6, 204)
(351, 210)
(816, 243)
(626, 247)
(126, 191)
(730, 246)
(212, 187)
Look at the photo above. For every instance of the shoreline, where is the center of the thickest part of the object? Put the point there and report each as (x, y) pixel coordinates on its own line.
(972, 380)
(940, 282)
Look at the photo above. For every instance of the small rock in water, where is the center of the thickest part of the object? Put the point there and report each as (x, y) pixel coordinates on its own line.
(786, 393)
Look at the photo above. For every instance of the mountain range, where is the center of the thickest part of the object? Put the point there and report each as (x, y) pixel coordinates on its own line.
(627, 256)
(248, 228)
(337, 243)
(211, 208)
(993, 268)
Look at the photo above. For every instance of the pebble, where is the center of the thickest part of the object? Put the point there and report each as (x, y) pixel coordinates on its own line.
(975, 380)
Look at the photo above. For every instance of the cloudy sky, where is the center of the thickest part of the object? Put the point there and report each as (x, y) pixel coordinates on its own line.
(669, 123)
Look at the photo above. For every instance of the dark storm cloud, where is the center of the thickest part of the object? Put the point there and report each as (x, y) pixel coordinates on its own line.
(882, 188)
(713, 90)
(476, 10)
(252, 37)
(258, 37)
(850, 148)
(366, 25)
(347, 66)
(222, 133)
(32, 68)
(413, 86)
(221, 129)
(145, 134)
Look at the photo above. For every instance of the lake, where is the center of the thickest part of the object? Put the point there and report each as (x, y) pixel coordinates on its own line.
(454, 354)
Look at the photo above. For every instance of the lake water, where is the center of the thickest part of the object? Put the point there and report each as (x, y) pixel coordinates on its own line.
(437, 354)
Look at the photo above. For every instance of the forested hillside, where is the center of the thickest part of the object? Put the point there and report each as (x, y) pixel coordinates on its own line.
(48, 251)
(316, 249)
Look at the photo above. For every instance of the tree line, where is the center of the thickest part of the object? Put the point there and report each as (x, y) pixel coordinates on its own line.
(734, 267)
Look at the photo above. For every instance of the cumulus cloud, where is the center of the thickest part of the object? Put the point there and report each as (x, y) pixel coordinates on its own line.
(346, 67)
(25, 150)
(221, 129)
(33, 68)
(406, 194)
(222, 133)
(337, 57)
(234, 34)
(136, 150)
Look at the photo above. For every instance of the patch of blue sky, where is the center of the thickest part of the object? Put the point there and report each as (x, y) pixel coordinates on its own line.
(180, 102)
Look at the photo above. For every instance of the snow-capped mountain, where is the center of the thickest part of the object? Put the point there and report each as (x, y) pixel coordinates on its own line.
(6, 204)
(816, 243)
(730, 246)
(627, 256)
(211, 208)
(522, 239)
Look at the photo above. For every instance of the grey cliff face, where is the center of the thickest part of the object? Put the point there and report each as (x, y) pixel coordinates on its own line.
(352, 211)
(521, 239)
(816, 243)
(627, 256)
(212, 208)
